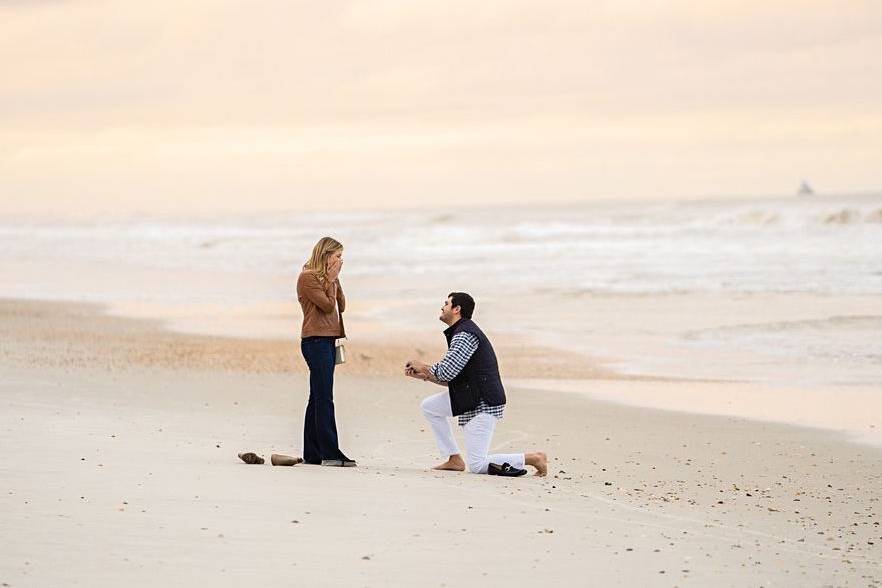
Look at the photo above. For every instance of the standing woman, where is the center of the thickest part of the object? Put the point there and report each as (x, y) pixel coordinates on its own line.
(322, 301)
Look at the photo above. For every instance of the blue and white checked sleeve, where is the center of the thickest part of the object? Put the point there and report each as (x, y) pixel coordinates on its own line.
(462, 347)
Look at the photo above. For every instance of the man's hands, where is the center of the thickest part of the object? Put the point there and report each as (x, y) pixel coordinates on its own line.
(421, 371)
(417, 369)
(332, 271)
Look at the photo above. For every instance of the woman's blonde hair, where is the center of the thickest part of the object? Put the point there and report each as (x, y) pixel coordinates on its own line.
(318, 261)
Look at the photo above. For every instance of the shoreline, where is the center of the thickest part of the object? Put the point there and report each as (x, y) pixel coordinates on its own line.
(105, 339)
(856, 416)
(68, 334)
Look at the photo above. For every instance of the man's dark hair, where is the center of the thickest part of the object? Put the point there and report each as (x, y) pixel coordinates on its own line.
(465, 303)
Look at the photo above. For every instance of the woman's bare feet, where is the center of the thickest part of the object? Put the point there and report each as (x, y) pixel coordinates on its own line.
(454, 463)
(539, 461)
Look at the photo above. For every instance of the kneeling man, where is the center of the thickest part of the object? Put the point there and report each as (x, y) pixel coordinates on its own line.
(474, 395)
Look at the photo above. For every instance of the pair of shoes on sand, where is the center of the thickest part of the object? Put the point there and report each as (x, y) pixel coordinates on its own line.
(276, 459)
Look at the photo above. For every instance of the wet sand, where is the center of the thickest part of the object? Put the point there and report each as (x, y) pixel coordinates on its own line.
(121, 469)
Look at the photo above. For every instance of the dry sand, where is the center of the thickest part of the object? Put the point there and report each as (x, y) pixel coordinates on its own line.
(120, 468)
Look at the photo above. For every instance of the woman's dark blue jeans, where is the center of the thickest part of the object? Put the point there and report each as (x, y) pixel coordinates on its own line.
(320, 424)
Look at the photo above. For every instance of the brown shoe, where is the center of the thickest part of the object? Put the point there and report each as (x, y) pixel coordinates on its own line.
(251, 458)
(278, 459)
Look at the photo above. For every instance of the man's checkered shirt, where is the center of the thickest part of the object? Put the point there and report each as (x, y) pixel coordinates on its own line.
(462, 347)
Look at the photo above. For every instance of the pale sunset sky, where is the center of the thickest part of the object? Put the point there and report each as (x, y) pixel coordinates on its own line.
(213, 106)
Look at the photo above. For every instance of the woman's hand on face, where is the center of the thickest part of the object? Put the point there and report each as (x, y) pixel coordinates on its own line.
(334, 267)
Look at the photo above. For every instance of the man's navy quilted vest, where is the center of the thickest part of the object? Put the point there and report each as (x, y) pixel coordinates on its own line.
(479, 379)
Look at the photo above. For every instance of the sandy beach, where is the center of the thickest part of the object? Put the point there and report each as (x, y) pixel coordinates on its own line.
(121, 469)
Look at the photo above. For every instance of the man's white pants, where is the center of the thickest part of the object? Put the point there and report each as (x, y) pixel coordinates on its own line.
(478, 435)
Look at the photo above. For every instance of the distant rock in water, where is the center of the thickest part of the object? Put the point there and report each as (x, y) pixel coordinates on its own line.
(805, 189)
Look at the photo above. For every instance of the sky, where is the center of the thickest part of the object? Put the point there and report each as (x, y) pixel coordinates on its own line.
(217, 106)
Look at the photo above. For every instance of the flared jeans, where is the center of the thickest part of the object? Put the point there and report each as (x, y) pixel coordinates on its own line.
(320, 424)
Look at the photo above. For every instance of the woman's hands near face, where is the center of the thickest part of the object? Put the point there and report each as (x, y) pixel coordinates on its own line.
(335, 264)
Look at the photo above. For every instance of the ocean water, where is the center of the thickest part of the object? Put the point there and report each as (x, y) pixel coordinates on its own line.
(819, 246)
(806, 245)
